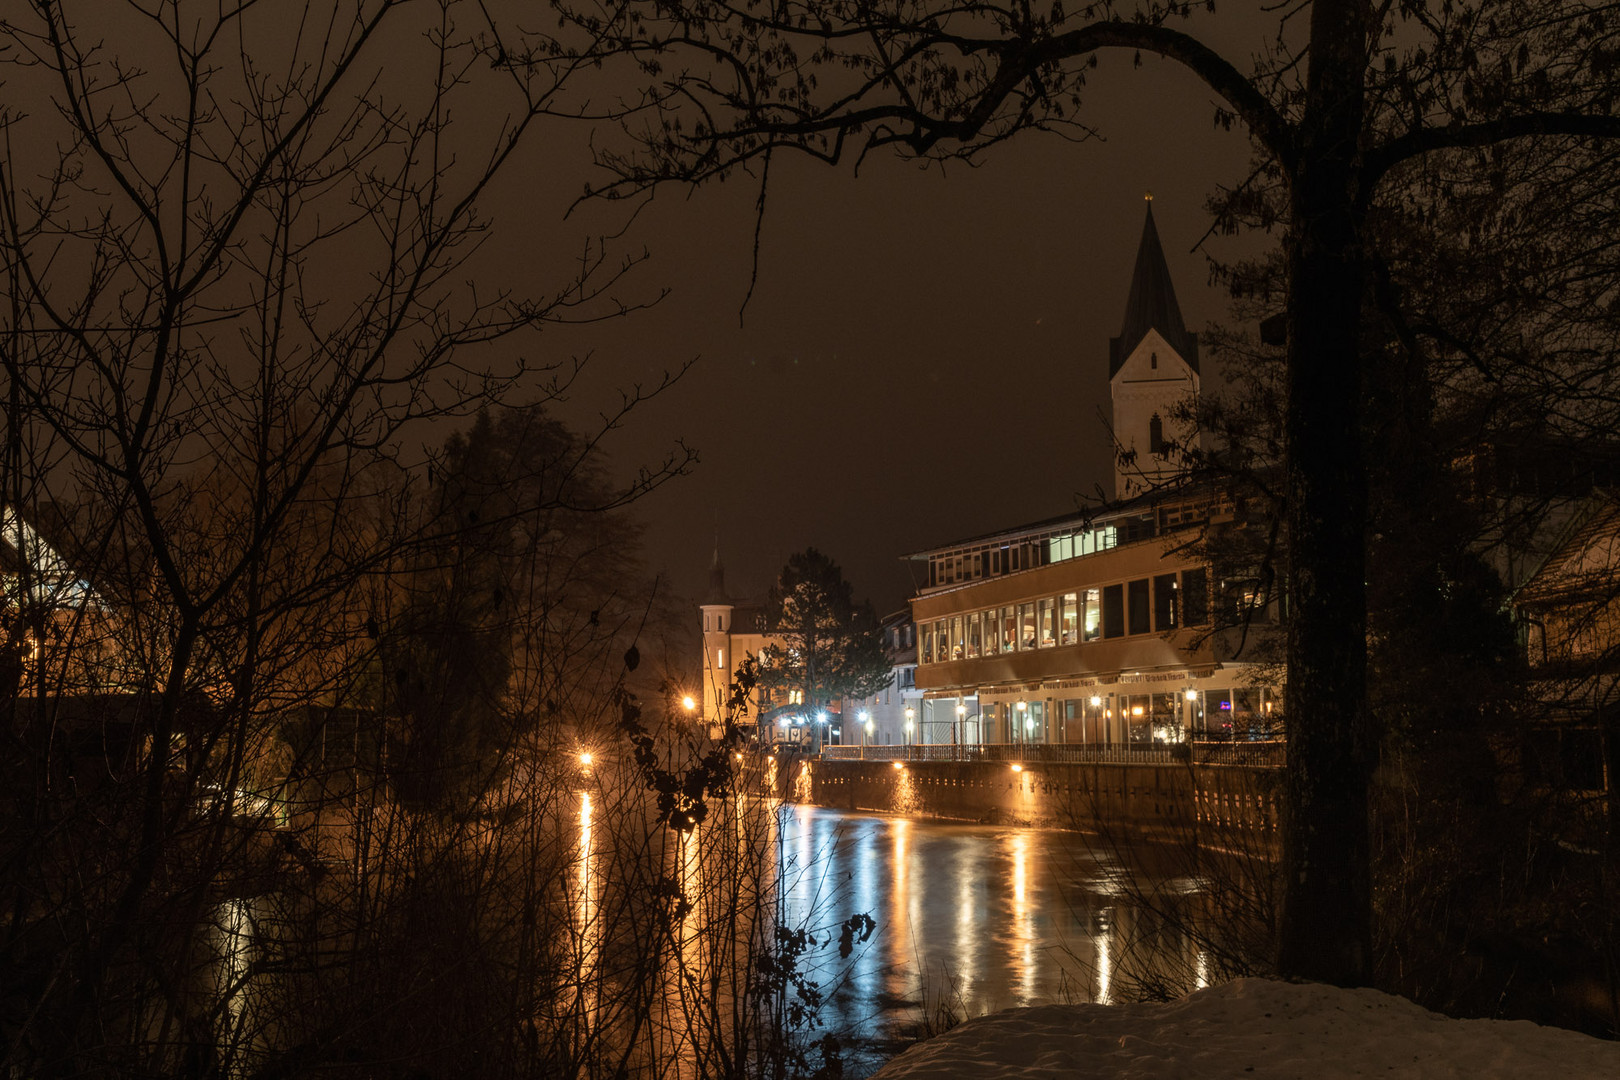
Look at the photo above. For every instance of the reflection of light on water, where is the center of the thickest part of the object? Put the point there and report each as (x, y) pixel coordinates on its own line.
(691, 929)
(900, 894)
(804, 857)
(770, 776)
(905, 792)
(969, 923)
(234, 923)
(585, 855)
(1020, 849)
(587, 924)
(1023, 917)
(863, 894)
(1202, 966)
(234, 951)
(803, 789)
(1103, 936)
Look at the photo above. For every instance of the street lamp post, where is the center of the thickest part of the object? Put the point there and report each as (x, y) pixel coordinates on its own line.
(911, 715)
(866, 729)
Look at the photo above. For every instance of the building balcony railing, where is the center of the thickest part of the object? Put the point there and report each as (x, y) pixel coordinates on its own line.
(1267, 754)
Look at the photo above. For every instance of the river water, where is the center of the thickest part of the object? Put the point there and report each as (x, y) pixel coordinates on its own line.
(656, 950)
(974, 918)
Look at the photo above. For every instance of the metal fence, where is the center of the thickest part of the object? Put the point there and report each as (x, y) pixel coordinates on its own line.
(1265, 754)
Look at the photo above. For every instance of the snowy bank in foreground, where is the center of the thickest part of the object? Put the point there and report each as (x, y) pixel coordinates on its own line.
(1252, 1028)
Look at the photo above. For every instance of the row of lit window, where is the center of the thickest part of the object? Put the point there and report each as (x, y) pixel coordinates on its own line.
(1237, 714)
(991, 560)
(1146, 605)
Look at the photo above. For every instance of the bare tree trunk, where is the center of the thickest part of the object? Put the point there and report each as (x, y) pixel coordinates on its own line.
(1326, 923)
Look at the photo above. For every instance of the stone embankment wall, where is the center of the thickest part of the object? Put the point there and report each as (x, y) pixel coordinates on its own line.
(1175, 802)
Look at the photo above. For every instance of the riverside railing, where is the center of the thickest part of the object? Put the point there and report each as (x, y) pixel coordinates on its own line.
(1267, 754)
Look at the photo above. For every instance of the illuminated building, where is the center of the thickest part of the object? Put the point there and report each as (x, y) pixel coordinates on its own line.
(1099, 628)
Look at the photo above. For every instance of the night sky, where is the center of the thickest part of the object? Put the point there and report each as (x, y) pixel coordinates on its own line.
(925, 353)
(924, 356)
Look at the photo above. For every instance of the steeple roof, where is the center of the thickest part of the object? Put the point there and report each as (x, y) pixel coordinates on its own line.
(717, 580)
(1152, 305)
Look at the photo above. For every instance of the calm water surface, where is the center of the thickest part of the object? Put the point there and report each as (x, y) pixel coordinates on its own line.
(978, 917)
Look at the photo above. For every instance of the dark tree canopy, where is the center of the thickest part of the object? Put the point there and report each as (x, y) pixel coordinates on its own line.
(527, 593)
(831, 646)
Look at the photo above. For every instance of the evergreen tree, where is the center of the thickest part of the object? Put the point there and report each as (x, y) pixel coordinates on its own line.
(831, 647)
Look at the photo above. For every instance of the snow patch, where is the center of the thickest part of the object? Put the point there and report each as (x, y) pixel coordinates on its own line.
(1258, 1028)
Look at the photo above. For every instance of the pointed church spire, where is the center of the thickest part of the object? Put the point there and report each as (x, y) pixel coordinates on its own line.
(717, 577)
(1152, 304)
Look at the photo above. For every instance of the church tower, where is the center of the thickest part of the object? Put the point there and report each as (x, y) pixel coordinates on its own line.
(1152, 369)
(717, 609)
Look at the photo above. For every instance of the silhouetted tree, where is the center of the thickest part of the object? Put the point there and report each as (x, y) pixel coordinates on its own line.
(239, 250)
(831, 647)
(1338, 106)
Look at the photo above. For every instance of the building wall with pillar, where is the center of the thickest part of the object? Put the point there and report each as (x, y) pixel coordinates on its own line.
(1104, 641)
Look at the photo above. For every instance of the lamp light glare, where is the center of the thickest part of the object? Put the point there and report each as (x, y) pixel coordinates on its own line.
(1191, 695)
(688, 703)
(585, 758)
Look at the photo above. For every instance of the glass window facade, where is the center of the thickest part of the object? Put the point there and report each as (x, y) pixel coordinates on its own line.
(1113, 611)
(1136, 599)
(1154, 604)
(1166, 603)
(1195, 596)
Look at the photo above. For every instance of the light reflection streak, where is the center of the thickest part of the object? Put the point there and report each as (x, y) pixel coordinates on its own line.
(903, 904)
(235, 951)
(587, 922)
(1023, 917)
(1103, 936)
(691, 884)
(975, 916)
(969, 920)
